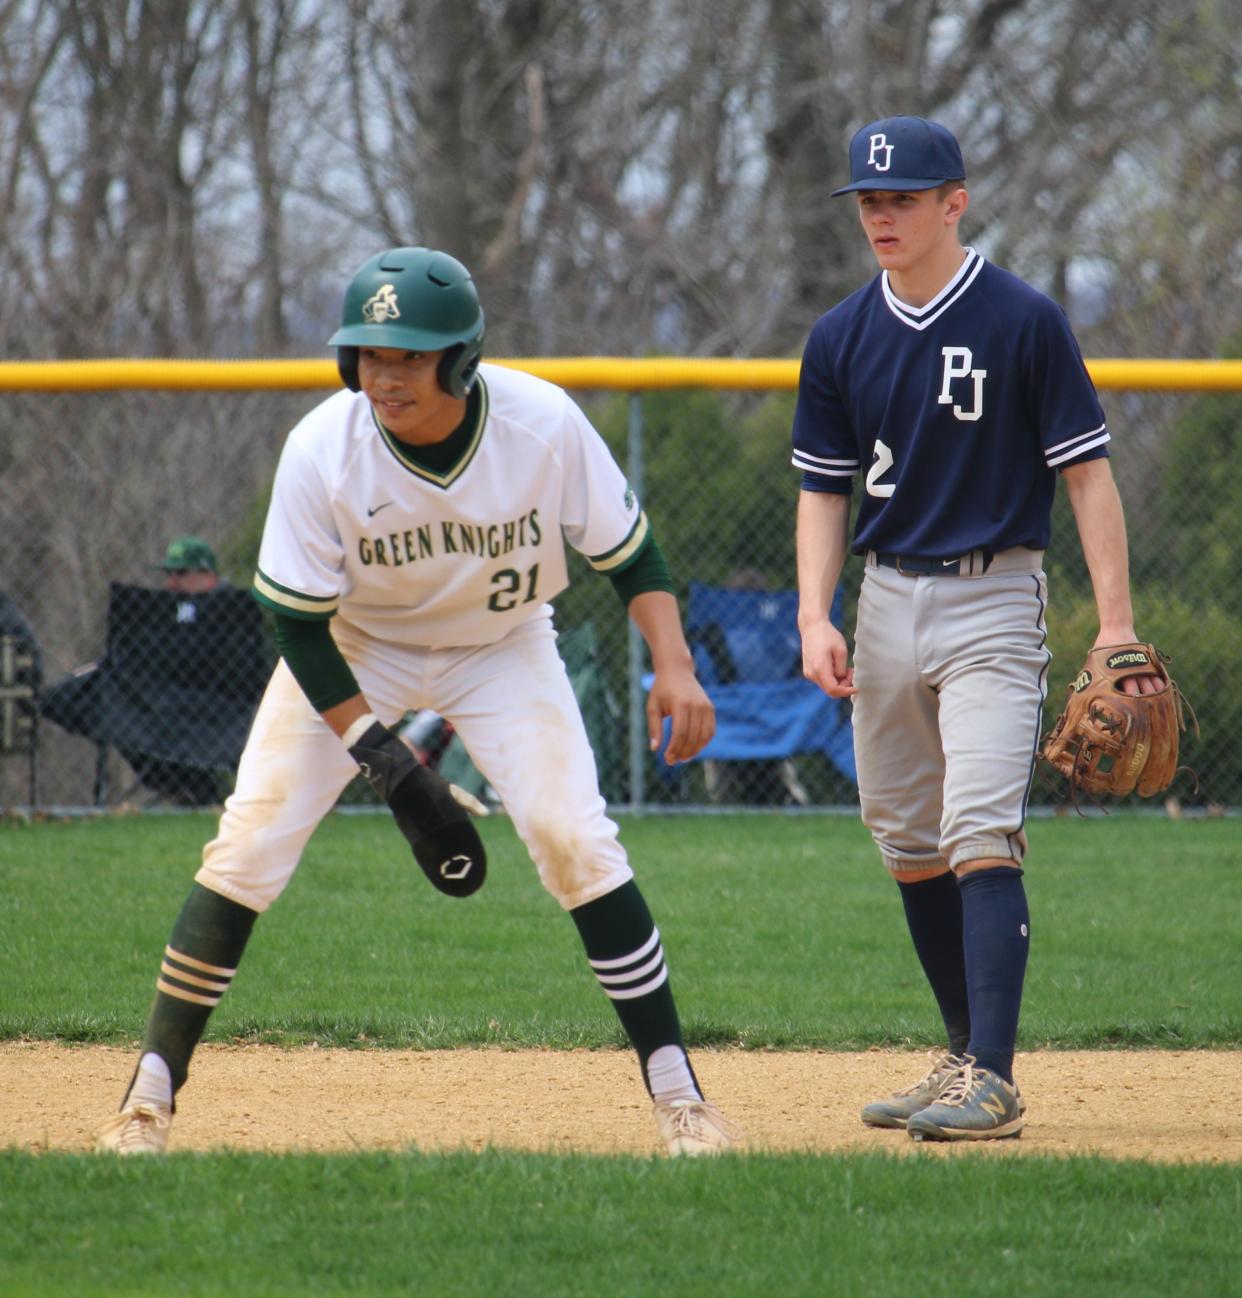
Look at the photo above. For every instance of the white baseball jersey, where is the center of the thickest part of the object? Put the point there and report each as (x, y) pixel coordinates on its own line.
(358, 528)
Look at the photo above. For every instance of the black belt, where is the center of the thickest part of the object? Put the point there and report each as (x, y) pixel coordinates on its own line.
(916, 565)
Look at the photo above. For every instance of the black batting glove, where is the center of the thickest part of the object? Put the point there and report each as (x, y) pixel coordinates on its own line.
(430, 812)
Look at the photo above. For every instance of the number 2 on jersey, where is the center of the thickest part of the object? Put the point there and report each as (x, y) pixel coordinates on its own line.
(883, 462)
(508, 582)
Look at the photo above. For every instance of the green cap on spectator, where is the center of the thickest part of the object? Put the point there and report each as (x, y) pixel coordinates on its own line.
(189, 554)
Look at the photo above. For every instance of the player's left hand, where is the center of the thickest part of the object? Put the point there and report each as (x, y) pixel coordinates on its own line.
(1131, 684)
(1108, 739)
(677, 694)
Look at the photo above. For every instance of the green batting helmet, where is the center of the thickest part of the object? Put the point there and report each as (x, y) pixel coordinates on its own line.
(418, 300)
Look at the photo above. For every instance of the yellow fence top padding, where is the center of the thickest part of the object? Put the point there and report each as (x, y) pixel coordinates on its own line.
(584, 372)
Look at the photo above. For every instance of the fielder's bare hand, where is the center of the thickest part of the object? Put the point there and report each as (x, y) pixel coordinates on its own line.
(825, 660)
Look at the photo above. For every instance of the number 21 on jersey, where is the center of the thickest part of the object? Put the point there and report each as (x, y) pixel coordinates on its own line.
(509, 583)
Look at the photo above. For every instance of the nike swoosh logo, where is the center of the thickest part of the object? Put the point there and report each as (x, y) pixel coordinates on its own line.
(944, 563)
(372, 512)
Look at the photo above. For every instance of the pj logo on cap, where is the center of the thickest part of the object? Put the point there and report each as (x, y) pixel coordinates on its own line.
(881, 154)
(903, 154)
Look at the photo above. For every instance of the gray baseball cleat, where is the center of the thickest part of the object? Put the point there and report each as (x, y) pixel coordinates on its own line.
(902, 1105)
(975, 1105)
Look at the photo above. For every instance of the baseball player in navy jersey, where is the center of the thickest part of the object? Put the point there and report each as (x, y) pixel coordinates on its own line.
(957, 393)
(414, 538)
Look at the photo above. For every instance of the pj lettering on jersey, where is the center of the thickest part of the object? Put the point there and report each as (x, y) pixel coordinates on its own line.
(958, 363)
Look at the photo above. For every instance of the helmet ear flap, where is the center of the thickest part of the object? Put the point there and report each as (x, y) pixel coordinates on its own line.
(456, 369)
(347, 363)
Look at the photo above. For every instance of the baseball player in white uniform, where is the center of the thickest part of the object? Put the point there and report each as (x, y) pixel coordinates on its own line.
(414, 540)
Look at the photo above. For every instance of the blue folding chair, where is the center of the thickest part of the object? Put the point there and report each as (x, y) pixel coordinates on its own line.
(748, 656)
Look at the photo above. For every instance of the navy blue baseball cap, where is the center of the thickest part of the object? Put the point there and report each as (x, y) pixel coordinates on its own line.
(903, 154)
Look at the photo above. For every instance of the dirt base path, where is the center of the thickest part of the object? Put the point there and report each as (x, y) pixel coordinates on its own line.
(1152, 1104)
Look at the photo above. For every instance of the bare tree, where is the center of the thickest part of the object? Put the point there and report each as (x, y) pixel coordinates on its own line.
(647, 176)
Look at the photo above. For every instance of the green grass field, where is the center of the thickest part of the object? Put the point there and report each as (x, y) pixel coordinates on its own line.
(781, 931)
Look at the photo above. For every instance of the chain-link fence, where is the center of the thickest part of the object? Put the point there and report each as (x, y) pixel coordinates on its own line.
(115, 688)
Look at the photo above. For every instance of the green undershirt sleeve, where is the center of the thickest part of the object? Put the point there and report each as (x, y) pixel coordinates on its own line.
(316, 663)
(648, 570)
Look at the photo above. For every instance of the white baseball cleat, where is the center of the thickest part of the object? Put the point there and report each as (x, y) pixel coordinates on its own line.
(137, 1129)
(693, 1127)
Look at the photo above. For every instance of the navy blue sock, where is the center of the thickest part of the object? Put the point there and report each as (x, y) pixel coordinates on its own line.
(934, 917)
(995, 938)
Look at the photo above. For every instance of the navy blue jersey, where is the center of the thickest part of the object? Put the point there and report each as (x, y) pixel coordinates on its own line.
(959, 413)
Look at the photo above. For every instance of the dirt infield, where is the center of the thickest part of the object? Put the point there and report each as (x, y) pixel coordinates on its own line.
(1159, 1105)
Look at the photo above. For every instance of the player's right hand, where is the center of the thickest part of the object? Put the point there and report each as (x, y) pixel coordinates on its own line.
(825, 660)
(435, 821)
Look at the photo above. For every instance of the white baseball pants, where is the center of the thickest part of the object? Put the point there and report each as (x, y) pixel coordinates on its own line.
(514, 708)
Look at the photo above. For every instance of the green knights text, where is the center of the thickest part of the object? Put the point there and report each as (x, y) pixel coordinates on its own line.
(429, 540)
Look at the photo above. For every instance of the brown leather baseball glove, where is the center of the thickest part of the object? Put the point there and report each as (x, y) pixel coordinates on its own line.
(1107, 741)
